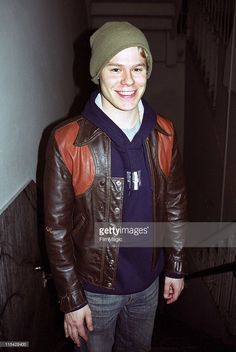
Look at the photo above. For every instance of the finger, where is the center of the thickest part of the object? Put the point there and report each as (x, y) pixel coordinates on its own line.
(89, 321)
(170, 297)
(66, 330)
(75, 336)
(174, 296)
(69, 331)
(81, 331)
(171, 300)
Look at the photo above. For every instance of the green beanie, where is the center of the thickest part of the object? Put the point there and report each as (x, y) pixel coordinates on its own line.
(109, 40)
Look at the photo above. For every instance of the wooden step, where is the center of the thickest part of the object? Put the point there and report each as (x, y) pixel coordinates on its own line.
(144, 23)
(107, 8)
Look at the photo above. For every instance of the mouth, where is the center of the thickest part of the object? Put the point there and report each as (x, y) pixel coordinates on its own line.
(126, 94)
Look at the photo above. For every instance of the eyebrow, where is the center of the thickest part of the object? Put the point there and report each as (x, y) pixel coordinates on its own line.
(120, 65)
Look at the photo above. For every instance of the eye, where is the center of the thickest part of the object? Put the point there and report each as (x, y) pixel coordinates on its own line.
(139, 69)
(115, 69)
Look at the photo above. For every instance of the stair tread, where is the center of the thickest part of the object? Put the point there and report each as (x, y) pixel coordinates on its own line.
(118, 7)
(163, 23)
(136, 1)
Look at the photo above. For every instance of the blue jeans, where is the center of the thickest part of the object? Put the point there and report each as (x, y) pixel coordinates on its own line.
(122, 323)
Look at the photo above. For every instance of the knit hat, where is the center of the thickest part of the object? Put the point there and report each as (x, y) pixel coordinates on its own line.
(110, 39)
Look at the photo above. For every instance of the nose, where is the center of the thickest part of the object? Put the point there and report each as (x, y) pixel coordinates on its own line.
(127, 78)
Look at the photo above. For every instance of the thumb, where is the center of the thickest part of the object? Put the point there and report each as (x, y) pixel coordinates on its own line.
(167, 290)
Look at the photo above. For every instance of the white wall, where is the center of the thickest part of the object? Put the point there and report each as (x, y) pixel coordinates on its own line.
(36, 81)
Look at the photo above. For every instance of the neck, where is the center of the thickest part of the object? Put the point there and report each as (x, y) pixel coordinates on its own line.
(123, 119)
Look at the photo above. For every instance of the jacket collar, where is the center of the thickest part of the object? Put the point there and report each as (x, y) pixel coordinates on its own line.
(87, 132)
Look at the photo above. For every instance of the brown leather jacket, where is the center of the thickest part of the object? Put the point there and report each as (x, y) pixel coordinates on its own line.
(79, 191)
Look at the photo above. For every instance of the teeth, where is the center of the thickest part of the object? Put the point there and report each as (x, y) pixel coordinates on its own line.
(126, 93)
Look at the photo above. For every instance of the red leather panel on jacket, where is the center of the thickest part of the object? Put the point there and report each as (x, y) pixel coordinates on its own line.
(165, 144)
(78, 160)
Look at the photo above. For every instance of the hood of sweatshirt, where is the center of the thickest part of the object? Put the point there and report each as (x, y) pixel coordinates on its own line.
(94, 114)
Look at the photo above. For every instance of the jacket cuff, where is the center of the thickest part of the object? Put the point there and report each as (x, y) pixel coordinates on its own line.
(72, 301)
(176, 266)
(175, 276)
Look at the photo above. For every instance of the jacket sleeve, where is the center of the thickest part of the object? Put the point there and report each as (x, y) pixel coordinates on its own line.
(58, 213)
(176, 207)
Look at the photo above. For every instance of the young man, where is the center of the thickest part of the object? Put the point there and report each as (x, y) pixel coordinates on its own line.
(117, 162)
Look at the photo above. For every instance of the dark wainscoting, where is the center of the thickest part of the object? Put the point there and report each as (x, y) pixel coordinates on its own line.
(28, 310)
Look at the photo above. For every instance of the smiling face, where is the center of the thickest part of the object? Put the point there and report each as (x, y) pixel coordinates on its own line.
(123, 81)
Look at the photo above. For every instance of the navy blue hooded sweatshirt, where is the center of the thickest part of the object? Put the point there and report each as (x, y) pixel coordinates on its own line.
(129, 161)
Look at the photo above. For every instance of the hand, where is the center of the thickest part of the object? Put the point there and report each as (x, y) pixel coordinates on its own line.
(75, 324)
(172, 289)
